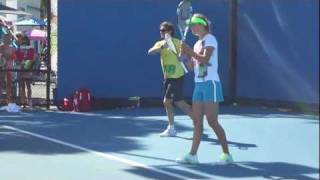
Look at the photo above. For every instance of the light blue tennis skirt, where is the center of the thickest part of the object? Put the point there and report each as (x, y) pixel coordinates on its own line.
(208, 91)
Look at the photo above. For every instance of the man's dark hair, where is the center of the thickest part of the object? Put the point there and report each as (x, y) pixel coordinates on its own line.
(168, 26)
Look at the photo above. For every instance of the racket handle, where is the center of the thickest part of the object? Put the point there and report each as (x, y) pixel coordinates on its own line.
(183, 59)
(184, 67)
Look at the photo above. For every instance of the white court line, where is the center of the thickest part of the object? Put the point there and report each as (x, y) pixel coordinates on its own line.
(104, 155)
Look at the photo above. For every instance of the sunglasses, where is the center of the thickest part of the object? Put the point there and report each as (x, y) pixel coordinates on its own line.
(163, 30)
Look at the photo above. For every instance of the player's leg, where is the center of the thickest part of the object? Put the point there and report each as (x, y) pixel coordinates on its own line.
(185, 107)
(169, 110)
(197, 113)
(211, 112)
(197, 108)
(178, 97)
(168, 105)
(212, 96)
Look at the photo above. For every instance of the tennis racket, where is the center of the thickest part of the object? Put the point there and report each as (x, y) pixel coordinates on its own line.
(184, 14)
(170, 43)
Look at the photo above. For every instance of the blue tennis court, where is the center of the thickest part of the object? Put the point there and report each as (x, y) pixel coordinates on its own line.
(125, 144)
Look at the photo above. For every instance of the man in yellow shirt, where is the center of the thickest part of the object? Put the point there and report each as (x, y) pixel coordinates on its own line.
(173, 77)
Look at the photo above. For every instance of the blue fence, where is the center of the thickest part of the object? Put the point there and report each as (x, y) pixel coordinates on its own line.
(103, 46)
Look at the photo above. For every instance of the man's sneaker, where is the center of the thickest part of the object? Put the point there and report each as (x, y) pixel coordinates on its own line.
(169, 132)
(188, 159)
(226, 158)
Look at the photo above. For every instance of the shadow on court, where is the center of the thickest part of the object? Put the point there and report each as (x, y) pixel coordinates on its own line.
(205, 137)
(106, 132)
(119, 131)
(265, 170)
(99, 131)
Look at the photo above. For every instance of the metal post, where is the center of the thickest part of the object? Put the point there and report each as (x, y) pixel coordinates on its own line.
(49, 53)
(233, 50)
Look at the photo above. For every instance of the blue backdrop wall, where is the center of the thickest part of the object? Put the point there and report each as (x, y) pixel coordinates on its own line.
(103, 45)
(278, 50)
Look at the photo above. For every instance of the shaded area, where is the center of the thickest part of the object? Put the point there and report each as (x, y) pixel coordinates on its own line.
(158, 176)
(205, 137)
(21, 143)
(99, 130)
(120, 131)
(110, 131)
(267, 170)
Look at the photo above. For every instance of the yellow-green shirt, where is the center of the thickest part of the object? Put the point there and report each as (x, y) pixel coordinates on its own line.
(170, 64)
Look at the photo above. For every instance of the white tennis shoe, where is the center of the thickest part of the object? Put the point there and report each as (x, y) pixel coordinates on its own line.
(169, 132)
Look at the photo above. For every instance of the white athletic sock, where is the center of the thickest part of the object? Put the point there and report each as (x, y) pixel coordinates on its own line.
(170, 126)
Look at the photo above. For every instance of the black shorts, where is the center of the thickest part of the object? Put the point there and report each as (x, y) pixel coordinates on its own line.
(173, 88)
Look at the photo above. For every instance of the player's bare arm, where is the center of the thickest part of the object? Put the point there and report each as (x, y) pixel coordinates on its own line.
(156, 49)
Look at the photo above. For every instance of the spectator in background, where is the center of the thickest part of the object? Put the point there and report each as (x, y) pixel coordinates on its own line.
(44, 53)
(7, 54)
(2, 73)
(26, 56)
(18, 40)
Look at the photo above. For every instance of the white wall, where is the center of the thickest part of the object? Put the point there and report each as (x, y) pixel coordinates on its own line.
(31, 6)
(13, 4)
